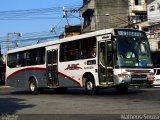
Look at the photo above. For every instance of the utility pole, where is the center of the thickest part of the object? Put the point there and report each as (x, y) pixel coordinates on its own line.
(7, 39)
(7, 42)
(65, 15)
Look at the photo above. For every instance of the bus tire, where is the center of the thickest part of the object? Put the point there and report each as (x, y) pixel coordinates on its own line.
(90, 85)
(33, 86)
(122, 89)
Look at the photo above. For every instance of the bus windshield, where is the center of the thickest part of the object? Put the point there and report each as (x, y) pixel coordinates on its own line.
(133, 51)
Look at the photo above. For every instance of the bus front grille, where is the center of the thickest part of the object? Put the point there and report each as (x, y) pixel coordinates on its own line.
(139, 76)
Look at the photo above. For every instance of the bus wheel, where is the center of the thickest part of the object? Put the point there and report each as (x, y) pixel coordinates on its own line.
(90, 85)
(122, 89)
(33, 86)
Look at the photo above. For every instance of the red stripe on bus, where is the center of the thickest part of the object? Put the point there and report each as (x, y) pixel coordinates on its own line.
(25, 69)
(68, 77)
(37, 68)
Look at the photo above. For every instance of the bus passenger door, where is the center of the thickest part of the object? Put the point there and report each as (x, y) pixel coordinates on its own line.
(52, 67)
(105, 62)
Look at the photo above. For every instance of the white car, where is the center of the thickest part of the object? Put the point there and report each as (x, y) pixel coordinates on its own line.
(156, 77)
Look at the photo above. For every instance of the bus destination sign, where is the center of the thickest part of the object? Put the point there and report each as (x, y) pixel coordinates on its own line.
(127, 32)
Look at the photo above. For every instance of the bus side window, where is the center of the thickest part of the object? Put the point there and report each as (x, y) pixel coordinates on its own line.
(21, 60)
(27, 58)
(12, 64)
(40, 56)
(11, 61)
(93, 52)
(88, 47)
(64, 50)
(31, 58)
(18, 64)
(79, 49)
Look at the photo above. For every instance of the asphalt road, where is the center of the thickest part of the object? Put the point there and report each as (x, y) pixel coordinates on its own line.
(105, 103)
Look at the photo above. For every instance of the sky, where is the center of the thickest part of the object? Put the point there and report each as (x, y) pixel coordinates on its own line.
(33, 25)
(15, 17)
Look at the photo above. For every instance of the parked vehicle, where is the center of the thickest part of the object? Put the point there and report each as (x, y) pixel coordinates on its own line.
(156, 77)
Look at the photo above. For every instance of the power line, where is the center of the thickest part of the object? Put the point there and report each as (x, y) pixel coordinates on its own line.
(46, 13)
(41, 13)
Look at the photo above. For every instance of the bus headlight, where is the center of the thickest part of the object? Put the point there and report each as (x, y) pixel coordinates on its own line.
(124, 76)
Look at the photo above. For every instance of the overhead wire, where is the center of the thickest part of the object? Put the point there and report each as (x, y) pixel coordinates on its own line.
(21, 14)
(43, 13)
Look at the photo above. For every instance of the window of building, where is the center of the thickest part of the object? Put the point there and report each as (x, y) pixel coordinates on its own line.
(86, 1)
(139, 18)
(152, 8)
(137, 2)
(88, 17)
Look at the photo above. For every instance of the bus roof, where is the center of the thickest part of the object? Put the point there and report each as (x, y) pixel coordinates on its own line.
(57, 41)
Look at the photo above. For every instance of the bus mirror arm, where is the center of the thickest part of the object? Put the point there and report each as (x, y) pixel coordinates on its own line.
(114, 47)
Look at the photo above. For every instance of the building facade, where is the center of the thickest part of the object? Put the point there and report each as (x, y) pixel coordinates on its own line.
(101, 14)
(154, 30)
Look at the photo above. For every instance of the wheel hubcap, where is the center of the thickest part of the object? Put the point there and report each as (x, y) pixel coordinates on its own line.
(89, 85)
(32, 86)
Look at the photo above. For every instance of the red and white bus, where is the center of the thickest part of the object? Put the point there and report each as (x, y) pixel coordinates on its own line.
(106, 58)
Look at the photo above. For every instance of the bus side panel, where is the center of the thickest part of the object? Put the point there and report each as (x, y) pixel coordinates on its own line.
(67, 81)
(17, 79)
(39, 76)
(11, 82)
(20, 78)
(70, 73)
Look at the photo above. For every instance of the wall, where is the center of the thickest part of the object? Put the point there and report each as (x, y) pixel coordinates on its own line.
(118, 11)
(154, 12)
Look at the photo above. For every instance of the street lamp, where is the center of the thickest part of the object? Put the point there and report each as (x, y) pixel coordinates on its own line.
(7, 38)
(124, 21)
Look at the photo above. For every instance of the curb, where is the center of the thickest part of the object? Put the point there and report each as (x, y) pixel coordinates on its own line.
(4, 86)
